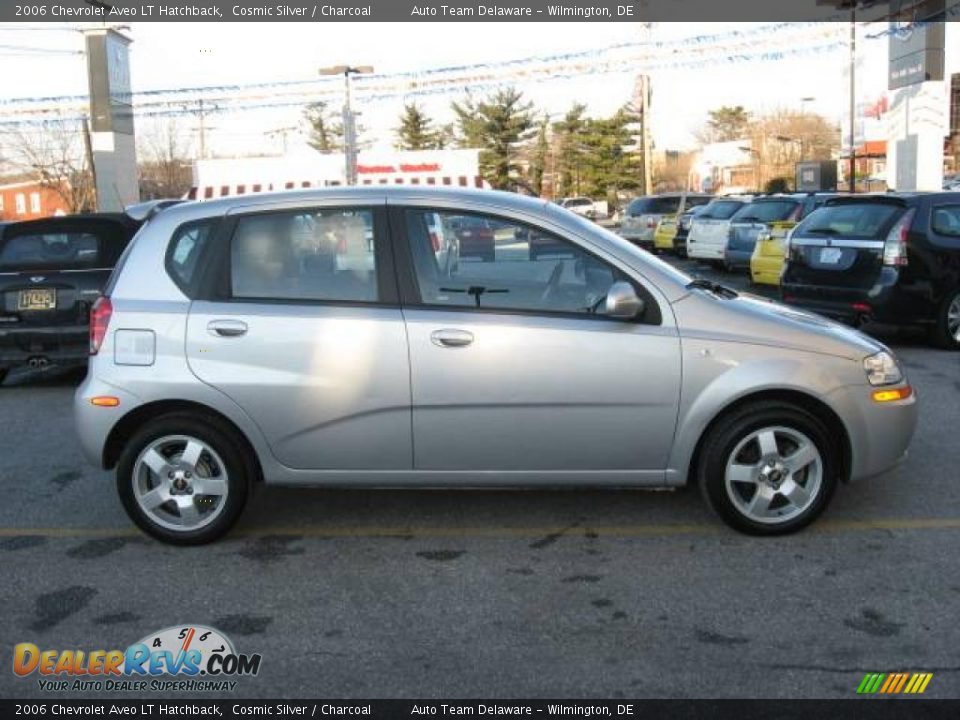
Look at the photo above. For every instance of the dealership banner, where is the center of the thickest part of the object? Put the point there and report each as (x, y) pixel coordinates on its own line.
(443, 10)
(647, 709)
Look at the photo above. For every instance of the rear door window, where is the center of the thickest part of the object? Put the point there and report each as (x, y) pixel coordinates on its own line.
(870, 221)
(326, 254)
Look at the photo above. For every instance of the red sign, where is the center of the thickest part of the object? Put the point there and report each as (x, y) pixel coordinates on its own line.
(404, 168)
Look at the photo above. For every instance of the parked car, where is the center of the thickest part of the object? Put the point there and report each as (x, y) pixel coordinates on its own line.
(707, 239)
(604, 366)
(757, 219)
(644, 213)
(593, 209)
(667, 227)
(893, 258)
(683, 229)
(766, 263)
(475, 237)
(51, 272)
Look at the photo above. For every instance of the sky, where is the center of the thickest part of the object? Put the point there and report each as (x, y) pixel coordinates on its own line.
(165, 55)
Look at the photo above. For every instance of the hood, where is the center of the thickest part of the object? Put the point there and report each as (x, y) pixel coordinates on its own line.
(756, 320)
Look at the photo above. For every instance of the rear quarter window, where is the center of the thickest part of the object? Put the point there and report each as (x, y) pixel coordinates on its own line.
(185, 251)
(945, 223)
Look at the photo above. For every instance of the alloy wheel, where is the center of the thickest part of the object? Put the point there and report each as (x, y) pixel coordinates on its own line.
(180, 482)
(774, 474)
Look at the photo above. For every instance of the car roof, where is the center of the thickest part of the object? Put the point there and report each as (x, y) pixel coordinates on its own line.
(374, 194)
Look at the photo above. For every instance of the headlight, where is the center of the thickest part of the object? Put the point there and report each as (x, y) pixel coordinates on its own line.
(882, 369)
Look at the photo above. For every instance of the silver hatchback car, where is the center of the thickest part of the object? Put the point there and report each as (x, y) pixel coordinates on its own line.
(330, 338)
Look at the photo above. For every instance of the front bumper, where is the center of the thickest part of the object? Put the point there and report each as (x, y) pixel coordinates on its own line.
(880, 433)
(57, 345)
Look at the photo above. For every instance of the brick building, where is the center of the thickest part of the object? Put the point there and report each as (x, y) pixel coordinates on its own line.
(29, 200)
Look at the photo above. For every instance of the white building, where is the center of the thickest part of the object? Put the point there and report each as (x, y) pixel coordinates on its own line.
(304, 167)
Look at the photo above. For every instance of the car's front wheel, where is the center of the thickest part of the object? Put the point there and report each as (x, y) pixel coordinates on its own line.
(946, 332)
(184, 479)
(768, 468)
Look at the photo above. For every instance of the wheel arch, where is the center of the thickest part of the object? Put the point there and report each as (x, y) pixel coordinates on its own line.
(124, 429)
(805, 401)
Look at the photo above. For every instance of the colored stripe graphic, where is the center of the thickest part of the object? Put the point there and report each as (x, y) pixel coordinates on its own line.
(894, 683)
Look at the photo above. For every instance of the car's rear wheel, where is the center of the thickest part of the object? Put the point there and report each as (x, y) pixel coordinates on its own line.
(946, 332)
(768, 468)
(184, 479)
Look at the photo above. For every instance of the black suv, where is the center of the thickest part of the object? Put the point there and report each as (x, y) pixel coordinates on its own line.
(893, 258)
(51, 272)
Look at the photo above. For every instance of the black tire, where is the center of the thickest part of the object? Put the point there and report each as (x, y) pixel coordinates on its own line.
(940, 332)
(223, 440)
(724, 437)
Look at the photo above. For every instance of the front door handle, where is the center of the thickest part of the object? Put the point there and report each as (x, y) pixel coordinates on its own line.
(227, 328)
(451, 338)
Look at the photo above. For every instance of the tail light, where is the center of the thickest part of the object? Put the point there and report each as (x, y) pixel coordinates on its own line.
(651, 223)
(895, 246)
(342, 246)
(99, 319)
(435, 242)
(786, 244)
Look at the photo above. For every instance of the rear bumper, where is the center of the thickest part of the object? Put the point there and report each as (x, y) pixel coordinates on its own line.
(59, 345)
(738, 259)
(94, 423)
(881, 302)
(765, 269)
(705, 251)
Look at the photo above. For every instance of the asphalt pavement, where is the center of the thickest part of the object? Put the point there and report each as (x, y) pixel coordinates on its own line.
(447, 594)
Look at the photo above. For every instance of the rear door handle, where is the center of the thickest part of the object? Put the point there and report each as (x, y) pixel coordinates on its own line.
(451, 338)
(227, 328)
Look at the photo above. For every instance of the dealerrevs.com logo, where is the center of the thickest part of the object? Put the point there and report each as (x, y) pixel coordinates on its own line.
(185, 658)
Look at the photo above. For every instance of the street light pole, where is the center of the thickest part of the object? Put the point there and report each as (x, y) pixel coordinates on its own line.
(853, 96)
(349, 118)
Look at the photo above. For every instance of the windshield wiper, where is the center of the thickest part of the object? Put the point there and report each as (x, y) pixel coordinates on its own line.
(823, 231)
(714, 287)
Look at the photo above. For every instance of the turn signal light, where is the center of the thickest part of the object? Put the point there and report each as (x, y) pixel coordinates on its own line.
(882, 396)
(105, 401)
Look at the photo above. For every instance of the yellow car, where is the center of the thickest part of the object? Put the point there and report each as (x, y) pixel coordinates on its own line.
(766, 263)
(663, 235)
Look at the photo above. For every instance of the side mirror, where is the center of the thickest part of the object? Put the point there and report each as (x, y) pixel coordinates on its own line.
(623, 302)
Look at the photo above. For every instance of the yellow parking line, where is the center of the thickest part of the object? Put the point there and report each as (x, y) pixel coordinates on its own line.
(625, 531)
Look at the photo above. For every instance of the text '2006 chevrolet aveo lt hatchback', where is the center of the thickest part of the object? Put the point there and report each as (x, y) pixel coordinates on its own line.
(339, 338)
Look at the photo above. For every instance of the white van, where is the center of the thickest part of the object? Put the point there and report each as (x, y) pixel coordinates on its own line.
(708, 231)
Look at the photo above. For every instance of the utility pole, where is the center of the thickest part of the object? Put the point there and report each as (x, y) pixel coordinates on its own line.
(349, 118)
(203, 133)
(853, 97)
(282, 132)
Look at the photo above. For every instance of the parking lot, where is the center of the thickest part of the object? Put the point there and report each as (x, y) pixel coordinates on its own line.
(500, 594)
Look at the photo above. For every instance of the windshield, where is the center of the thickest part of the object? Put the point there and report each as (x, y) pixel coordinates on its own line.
(721, 209)
(590, 228)
(766, 211)
(859, 220)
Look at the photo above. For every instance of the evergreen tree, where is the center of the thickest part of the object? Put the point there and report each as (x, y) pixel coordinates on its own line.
(325, 131)
(496, 125)
(415, 131)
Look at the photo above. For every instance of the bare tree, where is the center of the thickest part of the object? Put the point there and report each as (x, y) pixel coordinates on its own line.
(53, 153)
(165, 170)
